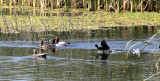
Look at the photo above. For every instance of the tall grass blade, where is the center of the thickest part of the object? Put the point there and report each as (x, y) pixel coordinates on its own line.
(136, 4)
(150, 5)
(118, 5)
(89, 5)
(66, 5)
(141, 5)
(52, 4)
(34, 3)
(84, 3)
(124, 5)
(75, 2)
(107, 5)
(99, 4)
(151, 76)
(10, 3)
(92, 5)
(142, 41)
(58, 3)
(1, 2)
(131, 5)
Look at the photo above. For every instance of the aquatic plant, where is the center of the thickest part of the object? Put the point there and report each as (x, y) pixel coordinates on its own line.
(87, 20)
(155, 73)
(141, 41)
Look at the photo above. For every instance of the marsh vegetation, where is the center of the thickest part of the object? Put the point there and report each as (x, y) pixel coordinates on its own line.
(63, 21)
(107, 5)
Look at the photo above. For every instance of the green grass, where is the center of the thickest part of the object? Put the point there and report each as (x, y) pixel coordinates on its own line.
(88, 20)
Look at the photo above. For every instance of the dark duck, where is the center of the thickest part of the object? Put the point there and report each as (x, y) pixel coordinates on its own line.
(104, 45)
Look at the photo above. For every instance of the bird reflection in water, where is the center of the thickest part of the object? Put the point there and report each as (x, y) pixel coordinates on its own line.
(53, 50)
(103, 58)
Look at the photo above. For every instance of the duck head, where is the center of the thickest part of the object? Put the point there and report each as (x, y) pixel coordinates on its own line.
(53, 41)
(106, 39)
(57, 39)
(41, 43)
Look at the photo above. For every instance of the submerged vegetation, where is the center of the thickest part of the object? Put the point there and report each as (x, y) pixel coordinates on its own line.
(91, 5)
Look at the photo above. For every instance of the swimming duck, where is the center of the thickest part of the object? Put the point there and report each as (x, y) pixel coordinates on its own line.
(104, 45)
(40, 55)
(61, 43)
(45, 46)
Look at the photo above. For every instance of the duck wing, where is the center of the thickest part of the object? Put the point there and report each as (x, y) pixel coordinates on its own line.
(104, 43)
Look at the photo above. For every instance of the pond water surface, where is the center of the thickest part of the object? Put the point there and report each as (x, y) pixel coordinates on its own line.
(80, 60)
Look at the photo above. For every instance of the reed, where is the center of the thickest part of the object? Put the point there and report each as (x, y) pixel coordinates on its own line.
(84, 3)
(66, 5)
(136, 4)
(131, 1)
(99, 4)
(124, 5)
(92, 5)
(22, 3)
(107, 2)
(117, 5)
(10, 3)
(141, 41)
(34, 3)
(75, 2)
(89, 5)
(150, 5)
(58, 3)
(1, 2)
(141, 5)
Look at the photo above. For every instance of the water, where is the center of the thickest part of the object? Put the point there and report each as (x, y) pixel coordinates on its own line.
(79, 61)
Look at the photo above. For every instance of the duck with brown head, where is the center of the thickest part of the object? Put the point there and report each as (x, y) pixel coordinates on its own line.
(53, 40)
(60, 43)
(45, 46)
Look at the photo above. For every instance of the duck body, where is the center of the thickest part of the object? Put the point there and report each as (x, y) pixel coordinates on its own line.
(63, 42)
(104, 45)
(45, 46)
(43, 55)
(40, 55)
(60, 43)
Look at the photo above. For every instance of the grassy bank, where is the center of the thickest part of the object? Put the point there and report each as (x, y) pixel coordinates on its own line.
(93, 20)
(91, 5)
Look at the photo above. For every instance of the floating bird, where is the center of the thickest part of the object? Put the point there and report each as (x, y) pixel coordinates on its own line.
(104, 45)
(40, 55)
(60, 43)
(45, 46)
